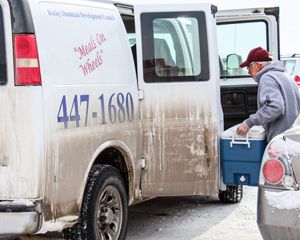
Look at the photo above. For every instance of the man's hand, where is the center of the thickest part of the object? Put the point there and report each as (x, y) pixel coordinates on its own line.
(242, 129)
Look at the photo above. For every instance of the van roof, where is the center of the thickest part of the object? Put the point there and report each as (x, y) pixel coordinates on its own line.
(221, 4)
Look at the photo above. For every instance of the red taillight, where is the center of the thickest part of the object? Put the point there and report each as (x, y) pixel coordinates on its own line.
(273, 171)
(26, 60)
(297, 80)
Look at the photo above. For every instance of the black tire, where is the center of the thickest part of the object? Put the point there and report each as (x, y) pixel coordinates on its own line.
(104, 211)
(232, 194)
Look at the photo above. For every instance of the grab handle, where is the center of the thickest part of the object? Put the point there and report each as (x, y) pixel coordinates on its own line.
(240, 142)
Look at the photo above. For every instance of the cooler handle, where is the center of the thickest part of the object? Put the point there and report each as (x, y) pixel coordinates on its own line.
(241, 142)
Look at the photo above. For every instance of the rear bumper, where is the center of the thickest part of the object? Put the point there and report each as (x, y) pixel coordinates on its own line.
(19, 217)
(277, 215)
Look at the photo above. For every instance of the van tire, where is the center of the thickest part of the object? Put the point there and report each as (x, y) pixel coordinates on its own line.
(105, 184)
(232, 194)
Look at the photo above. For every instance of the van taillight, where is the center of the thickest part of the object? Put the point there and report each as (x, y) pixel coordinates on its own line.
(26, 60)
(273, 171)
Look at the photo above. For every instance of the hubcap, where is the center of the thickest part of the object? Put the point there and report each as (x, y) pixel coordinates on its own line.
(109, 214)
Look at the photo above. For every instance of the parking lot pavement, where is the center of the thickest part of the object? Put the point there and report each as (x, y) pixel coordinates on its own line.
(190, 218)
(195, 218)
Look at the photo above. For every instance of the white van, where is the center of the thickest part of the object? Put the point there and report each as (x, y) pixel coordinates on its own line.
(106, 104)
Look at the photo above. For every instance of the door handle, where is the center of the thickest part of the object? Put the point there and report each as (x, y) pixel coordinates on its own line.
(234, 98)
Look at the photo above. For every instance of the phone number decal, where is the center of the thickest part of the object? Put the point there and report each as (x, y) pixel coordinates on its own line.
(118, 108)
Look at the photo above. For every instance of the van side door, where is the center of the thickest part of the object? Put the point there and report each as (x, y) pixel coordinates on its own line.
(178, 77)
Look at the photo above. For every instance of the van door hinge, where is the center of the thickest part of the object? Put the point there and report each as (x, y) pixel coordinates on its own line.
(124, 8)
(141, 94)
(138, 194)
(214, 10)
(143, 163)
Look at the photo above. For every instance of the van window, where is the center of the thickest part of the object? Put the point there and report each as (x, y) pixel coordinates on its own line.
(3, 78)
(130, 28)
(174, 47)
(235, 40)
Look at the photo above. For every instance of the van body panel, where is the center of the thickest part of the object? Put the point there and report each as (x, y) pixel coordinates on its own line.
(21, 148)
(88, 102)
(22, 159)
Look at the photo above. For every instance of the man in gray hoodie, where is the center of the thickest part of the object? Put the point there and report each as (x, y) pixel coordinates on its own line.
(278, 97)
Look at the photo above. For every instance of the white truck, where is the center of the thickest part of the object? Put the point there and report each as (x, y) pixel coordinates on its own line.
(105, 104)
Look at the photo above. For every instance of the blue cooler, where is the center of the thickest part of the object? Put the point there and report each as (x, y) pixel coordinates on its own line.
(241, 156)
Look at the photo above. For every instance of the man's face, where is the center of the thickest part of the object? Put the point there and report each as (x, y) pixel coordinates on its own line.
(254, 68)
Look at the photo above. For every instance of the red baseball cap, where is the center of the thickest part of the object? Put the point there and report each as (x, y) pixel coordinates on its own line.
(256, 55)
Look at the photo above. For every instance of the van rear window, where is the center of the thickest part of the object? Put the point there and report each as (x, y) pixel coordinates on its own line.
(3, 78)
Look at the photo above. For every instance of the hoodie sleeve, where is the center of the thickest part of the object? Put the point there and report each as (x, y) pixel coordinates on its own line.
(270, 101)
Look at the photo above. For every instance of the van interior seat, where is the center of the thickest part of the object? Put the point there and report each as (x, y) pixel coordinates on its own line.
(164, 63)
(162, 51)
(233, 62)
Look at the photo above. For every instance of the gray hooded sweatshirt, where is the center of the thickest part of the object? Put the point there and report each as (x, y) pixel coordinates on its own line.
(278, 100)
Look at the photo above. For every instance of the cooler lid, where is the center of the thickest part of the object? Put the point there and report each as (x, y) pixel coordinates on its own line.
(255, 133)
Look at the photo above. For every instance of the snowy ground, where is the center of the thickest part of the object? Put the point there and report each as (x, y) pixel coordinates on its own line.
(195, 218)
(192, 218)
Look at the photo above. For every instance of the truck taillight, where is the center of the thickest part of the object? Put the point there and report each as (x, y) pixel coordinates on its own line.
(273, 171)
(27, 68)
(297, 80)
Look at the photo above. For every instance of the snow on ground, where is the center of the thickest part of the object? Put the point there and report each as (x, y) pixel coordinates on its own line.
(195, 218)
(191, 218)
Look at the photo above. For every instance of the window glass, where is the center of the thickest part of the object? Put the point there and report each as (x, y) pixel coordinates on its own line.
(174, 47)
(3, 78)
(289, 66)
(131, 39)
(130, 28)
(168, 47)
(235, 40)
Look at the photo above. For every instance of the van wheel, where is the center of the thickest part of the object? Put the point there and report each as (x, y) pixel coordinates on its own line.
(105, 206)
(232, 194)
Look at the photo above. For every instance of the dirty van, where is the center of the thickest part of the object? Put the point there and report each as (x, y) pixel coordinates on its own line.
(105, 104)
